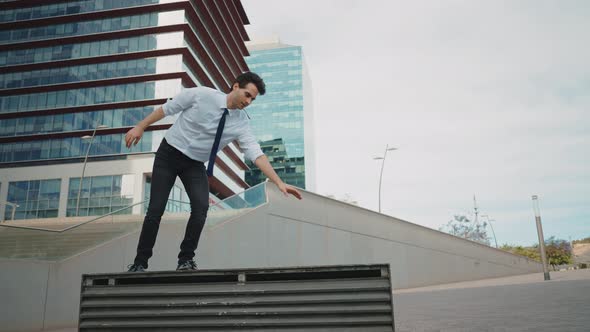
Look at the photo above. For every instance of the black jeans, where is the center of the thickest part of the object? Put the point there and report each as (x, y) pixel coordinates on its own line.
(168, 164)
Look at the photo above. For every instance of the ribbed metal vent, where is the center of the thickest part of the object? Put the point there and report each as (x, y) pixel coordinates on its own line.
(324, 298)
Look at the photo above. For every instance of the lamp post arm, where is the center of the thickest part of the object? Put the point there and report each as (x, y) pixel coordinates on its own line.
(83, 170)
(492, 227)
(381, 175)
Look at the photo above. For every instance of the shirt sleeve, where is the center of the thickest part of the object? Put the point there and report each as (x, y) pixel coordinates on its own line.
(249, 145)
(182, 101)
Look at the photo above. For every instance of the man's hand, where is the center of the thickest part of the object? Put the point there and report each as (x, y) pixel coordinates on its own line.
(133, 136)
(266, 168)
(287, 189)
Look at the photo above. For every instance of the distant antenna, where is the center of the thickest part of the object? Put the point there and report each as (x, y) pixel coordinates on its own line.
(475, 209)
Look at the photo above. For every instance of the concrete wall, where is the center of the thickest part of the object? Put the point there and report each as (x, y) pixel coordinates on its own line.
(318, 231)
(283, 232)
(23, 287)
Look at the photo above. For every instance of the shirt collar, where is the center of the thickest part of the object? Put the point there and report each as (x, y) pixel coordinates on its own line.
(222, 103)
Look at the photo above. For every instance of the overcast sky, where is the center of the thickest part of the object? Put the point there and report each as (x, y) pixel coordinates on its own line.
(484, 98)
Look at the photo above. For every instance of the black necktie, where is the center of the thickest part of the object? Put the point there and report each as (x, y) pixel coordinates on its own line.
(213, 154)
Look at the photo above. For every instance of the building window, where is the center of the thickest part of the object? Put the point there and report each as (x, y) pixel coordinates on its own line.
(100, 195)
(178, 200)
(71, 147)
(35, 199)
(77, 73)
(68, 8)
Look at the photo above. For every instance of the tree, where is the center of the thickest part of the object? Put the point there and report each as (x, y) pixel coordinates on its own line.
(559, 252)
(530, 252)
(462, 226)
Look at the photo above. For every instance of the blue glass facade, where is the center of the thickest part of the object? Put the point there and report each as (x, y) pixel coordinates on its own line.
(72, 147)
(278, 115)
(67, 8)
(77, 97)
(73, 121)
(43, 116)
(80, 50)
(79, 28)
(94, 71)
(289, 169)
(98, 195)
(35, 198)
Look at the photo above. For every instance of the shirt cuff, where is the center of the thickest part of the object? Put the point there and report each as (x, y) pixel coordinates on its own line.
(254, 155)
(166, 108)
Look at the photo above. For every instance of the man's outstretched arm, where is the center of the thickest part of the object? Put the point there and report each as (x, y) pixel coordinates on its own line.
(266, 168)
(134, 135)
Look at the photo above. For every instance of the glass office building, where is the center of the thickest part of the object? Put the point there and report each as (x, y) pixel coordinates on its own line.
(289, 169)
(75, 76)
(282, 118)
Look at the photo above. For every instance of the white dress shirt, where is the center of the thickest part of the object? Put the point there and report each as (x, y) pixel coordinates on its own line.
(194, 131)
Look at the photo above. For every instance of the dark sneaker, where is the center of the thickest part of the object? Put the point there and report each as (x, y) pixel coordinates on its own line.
(135, 268)
(187, 266)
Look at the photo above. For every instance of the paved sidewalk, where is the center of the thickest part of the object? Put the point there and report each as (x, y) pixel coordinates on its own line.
(520, 303)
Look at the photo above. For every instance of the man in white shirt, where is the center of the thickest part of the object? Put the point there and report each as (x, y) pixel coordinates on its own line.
(208, 121)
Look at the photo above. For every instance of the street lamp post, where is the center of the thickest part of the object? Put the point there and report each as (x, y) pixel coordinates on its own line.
(85, 161)
(492, 227)
(541, 238)
(387, 148)
(13, 206)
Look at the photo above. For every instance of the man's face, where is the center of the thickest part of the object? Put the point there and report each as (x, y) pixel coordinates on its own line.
(243, 97)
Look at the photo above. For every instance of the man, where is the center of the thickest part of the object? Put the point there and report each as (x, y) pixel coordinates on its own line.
(208, 121)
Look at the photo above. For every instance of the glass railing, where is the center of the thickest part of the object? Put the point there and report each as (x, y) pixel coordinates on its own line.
(59, 239)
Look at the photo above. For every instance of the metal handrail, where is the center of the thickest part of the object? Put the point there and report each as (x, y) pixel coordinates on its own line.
(13, 206)
(108, 214)
(84, 222)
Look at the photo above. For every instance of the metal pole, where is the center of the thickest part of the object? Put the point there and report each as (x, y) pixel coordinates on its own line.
(387, 148)
(541, 239)
(492, 227)
(13, 206)
(381, 175)
(83, 170)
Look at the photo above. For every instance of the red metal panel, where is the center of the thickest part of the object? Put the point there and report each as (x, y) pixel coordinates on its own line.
(234, 157)
(223, 81)
(217, 188)
(241, 11)
(214, 39)
(230, 173)
(239, 21)
(231, 19)
(190, 61)
(228, 35)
